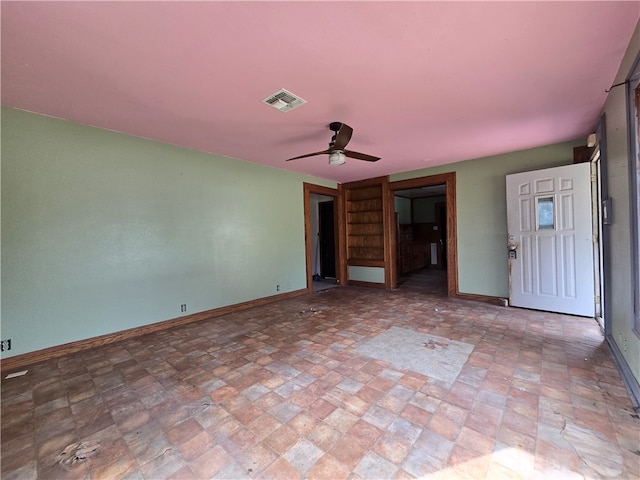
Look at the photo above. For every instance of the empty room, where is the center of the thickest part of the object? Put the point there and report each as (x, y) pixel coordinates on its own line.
(320, 240)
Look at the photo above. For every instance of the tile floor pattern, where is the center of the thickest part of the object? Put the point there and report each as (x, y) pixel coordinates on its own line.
(431, 279)
(281, 392)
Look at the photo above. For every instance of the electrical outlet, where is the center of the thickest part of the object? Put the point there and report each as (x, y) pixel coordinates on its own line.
(183, 307)
(277, 288)
(5, 345)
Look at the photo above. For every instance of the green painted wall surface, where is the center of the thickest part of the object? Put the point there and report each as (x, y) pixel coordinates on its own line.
(367, 274)
(620, 305)
(425, 209)
(403, 207)
(482, 212)
(102, 232)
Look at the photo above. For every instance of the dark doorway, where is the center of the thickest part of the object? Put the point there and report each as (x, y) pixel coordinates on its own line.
(327, 240)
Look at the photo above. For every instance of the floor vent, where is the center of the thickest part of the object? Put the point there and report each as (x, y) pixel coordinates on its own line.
(284, 100)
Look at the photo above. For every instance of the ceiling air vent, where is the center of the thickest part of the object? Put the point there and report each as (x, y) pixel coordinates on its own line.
(284, 100)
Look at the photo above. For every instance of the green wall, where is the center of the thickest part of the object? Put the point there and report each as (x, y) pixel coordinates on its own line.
(102, 232)
(403, 207)
(425, 209)
(482, 212)
(366, 274)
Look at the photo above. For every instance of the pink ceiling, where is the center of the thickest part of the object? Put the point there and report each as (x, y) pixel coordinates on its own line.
(421, 83)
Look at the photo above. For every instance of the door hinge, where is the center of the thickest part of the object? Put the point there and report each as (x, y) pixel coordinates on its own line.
(594, 177)
(596, 299)
(594, 238)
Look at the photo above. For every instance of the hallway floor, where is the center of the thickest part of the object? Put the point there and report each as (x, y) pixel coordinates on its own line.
(429, 280)
(310, 388)
(324, 284)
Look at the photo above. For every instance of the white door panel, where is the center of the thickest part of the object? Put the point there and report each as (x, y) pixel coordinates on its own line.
(550, 241)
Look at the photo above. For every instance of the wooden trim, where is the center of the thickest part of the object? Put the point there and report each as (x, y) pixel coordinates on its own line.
(369, 182)
(342, 271)
(449, 180)
(388, 211)
(360, 283)
(452, 236)
(429, 181)
(338, 209)
(25, 359)
(308, 241)
(364, 262)
(393, 232)
(480, 298)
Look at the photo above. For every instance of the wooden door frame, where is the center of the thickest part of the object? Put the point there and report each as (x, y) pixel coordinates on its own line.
(449, 180)
(338, 221)
(439, 222)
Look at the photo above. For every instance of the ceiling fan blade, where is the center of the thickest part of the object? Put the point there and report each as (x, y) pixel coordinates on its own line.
(360, 156)
(310, 155)
(343, 135)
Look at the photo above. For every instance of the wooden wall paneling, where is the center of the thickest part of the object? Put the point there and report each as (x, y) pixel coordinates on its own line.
(365, 239)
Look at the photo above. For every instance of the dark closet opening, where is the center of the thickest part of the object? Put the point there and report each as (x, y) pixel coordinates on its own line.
(326, 235)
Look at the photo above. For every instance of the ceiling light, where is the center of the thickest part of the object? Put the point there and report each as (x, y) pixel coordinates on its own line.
(336, 158)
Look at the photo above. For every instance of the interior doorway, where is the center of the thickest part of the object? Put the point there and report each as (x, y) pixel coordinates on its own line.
(421, 225)
(424, 250)
(321, 234)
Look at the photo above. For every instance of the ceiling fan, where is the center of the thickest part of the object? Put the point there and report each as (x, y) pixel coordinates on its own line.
(336, 151)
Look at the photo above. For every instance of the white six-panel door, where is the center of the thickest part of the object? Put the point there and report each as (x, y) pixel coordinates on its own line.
(550, 243)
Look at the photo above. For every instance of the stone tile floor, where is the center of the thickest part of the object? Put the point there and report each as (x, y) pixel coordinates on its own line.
(282, 392)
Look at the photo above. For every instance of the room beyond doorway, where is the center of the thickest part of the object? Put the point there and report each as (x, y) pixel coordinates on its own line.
(425, 234)
(321, 233)
(421, 227)
(428, 280)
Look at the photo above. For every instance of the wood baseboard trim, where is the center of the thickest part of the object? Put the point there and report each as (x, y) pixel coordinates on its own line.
(359, 283)
(480, 298)
(20, 361)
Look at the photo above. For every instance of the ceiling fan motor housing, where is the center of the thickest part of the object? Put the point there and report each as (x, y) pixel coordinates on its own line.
(335, 126)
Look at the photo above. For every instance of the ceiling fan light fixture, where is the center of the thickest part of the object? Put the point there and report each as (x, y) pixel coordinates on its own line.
(337, 158)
